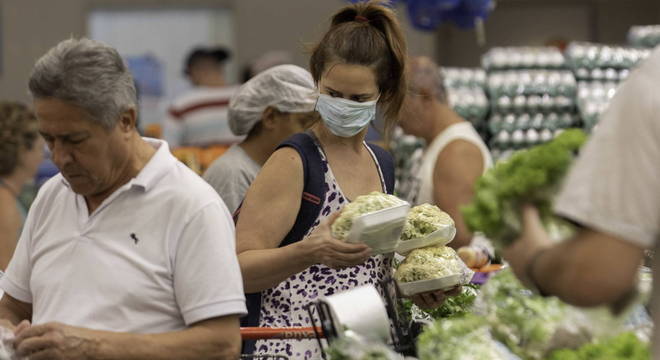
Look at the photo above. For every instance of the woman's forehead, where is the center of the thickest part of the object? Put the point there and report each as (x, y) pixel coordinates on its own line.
(350, 79)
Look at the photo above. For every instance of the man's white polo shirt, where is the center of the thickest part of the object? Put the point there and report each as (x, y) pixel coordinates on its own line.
(157, 255)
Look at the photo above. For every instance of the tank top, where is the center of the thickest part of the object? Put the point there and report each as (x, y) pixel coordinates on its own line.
(424, 178)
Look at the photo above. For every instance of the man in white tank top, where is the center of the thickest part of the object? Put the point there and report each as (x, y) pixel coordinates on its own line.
(455, 156)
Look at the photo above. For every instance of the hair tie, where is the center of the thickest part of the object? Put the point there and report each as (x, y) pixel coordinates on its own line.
(360, 18)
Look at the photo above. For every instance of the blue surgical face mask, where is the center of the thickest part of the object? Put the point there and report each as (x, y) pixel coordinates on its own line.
(344, 117)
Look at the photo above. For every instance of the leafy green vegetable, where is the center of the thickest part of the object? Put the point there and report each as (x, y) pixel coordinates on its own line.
(456, 306)
(351, 346)
(363, 204)
(423, 220)
(625, 346)
(529, 176)
(464, 338)
(453, 307)
(524, 322)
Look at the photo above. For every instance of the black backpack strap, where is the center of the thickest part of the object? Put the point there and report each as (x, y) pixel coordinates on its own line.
(311, 204)
(314, 189)
(386, 163)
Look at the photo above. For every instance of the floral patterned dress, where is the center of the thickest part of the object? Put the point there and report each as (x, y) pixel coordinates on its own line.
(284, 305)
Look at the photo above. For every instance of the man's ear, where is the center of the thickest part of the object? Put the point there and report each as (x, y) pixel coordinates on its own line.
(426, 94)
(128, 120)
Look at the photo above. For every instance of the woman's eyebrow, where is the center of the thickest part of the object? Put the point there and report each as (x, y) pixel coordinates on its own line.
(352, 95)
(332, 90)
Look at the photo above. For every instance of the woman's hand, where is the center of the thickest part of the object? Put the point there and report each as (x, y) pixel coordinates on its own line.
(337, 254)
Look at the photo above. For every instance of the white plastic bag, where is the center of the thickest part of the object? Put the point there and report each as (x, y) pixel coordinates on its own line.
(6, 344)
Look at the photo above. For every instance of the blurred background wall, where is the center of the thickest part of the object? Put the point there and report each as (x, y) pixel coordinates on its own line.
(253, 27)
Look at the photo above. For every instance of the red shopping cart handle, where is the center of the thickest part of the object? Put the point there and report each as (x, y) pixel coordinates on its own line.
(260, 333)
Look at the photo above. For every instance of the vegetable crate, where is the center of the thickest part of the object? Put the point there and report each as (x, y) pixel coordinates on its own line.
(324, 329)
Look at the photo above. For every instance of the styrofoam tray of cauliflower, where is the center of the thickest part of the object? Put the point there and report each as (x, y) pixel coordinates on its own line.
(363, 204)
(431, 268)
(426, 225)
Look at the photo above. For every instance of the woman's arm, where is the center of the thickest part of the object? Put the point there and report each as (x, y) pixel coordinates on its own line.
(268, 214)
(10, 223)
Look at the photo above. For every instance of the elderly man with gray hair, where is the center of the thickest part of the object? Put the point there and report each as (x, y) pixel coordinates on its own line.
(455, 155)
(126, 254)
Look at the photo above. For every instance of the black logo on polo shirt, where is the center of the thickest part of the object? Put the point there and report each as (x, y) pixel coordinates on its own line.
(134, 237)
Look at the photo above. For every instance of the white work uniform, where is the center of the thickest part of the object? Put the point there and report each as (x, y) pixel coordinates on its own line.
(613, 186)
(157, 255)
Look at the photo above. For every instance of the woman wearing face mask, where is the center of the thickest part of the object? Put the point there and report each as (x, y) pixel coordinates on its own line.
(358, 64)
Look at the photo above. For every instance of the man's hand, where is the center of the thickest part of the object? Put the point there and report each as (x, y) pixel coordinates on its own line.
(434, 299)
(54, 341)
(533, 239)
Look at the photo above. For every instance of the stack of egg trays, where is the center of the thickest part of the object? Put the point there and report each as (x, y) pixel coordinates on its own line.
(532, 95)
(466, 94)
(599, 69)
(644, 36)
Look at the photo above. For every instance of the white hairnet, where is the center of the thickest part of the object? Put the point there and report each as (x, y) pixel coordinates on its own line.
(288, 88)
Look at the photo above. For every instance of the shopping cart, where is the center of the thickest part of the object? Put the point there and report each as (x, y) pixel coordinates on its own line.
(324, 329)
(259, 333)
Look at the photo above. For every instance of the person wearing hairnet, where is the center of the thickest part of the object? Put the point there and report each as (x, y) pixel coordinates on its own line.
(269, 108)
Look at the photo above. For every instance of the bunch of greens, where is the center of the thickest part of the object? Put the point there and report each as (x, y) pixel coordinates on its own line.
(464, 338)
(530, 176)
(363, 204)
(524, 322)
(423, 220)
(625, 346)
(453, 307)
(351, 346)
(456, 306)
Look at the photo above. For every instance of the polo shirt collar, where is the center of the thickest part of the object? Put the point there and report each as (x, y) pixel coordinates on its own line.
(157, 167)
(159, 164)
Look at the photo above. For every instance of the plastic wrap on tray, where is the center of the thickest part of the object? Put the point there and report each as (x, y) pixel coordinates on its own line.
(430, 269)
(363, 204)
(6, 347)
(423, 220)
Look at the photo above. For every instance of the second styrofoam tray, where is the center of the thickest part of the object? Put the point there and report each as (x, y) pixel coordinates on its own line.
(424, 286)
(442, 236)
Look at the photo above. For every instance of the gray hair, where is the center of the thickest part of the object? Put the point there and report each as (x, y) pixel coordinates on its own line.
(88, 74)
(425, 74)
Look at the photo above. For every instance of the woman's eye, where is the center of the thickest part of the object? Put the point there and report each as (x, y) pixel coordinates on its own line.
(334, 94)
